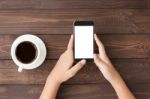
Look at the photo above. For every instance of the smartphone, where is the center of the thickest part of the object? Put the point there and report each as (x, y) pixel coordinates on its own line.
(83, 40)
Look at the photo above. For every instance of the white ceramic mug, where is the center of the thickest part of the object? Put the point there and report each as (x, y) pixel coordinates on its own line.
(41, 52)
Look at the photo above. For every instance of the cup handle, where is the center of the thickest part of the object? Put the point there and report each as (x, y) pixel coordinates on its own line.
(20, 69)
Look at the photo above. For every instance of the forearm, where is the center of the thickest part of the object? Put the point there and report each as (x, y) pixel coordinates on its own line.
(121, 88)
(50, 89)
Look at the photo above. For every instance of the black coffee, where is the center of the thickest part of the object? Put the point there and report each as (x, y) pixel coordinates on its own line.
(26, 52)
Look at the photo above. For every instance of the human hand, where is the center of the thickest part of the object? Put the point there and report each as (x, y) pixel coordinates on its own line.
(103, 63)
(63, 69)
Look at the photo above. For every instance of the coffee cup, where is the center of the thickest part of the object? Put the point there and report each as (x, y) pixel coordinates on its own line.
(28, 52)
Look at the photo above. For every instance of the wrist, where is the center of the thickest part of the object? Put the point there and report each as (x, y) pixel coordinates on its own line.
(51, 79)
(50, 89)
(112, 75)
(116, 79)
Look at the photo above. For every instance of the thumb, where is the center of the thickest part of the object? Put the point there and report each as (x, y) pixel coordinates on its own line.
(77, 67)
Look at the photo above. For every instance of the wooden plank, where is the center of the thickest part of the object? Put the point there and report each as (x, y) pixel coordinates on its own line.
(42, 30)
(86, 91)
(117, 46)
(65, 4)
(61, 21)
(148, 4)
(132, 70)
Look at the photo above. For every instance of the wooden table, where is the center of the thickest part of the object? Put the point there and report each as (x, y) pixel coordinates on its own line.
(122, 25)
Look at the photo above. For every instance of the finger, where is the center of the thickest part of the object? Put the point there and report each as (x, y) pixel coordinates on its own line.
(70, 44)
(102, 51)
(99, 63)
(77, 67)
(99, 44)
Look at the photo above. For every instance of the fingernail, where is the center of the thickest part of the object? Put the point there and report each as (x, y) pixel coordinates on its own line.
(71, 35)
(83, 61)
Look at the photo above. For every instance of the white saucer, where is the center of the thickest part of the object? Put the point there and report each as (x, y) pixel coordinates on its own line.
(40, 47)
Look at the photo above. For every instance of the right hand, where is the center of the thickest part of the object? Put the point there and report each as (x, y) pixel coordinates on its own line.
(103, 63)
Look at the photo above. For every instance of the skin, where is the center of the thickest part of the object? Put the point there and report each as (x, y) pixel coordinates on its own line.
(64, 70)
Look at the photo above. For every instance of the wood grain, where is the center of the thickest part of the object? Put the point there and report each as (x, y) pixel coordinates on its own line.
(132, 70)
(117, 46)
(122, 25)
(71, 4)
(107, 21)
(85, 91)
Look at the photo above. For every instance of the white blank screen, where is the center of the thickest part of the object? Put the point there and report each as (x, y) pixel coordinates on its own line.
(83, 42)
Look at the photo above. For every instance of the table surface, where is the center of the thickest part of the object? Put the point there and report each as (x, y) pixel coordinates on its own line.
(122, 25)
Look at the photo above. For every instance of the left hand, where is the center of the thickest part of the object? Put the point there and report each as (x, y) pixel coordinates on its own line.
(63, 69)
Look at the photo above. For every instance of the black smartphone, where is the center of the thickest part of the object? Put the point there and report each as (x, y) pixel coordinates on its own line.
(83, 40)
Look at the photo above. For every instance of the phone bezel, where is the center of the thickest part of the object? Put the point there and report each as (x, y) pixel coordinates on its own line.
(83, 23)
